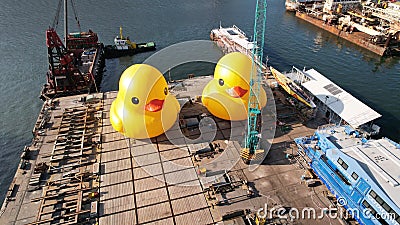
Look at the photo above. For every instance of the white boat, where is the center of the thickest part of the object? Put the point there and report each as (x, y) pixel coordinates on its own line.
(291, 5)
(232, 39)
(338, 105)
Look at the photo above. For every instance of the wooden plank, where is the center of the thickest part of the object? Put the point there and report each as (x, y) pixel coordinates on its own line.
(149, 183)
(115, 191)
(199, 217)
(181, 176)
(184, 190)
(127, 218)
(147, 171)
(154, 212)
(110, 167)
(116, 177)
(115, 145)
(151, 197)
(177, 165)
(115, 155)
(142, 149)
(189, 203)
(148, 159)
(175, 153)
(116, 205)
(167, 221)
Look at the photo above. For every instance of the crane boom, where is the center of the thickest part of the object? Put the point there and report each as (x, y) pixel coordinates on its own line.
(254, 111)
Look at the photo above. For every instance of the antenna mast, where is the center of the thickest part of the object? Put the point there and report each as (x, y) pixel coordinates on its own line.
(65, 23)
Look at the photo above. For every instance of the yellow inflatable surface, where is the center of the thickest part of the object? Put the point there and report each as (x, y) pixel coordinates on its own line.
(226, 96)
(143, 107)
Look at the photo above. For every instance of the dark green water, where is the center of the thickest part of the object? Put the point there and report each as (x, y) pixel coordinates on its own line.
(289, 41)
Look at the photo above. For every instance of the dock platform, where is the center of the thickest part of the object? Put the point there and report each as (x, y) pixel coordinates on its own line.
(80, 170)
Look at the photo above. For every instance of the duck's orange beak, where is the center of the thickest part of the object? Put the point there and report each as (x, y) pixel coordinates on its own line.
(154, 105)
(236, 92)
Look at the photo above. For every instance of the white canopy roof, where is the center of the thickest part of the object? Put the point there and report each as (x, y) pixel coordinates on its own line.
(349, 108)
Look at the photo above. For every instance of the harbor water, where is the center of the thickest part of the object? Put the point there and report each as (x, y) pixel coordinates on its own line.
(289, 41)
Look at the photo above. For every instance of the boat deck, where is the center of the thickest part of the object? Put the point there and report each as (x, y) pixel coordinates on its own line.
(232, 39)
(94, 174)
(151, 182)
(358, 38)
(379, 158)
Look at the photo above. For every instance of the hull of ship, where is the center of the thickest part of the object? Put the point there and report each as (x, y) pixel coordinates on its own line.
(110, 51)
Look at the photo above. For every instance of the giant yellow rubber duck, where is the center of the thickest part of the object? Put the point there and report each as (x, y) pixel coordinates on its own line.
(226, 96)
(143, 107)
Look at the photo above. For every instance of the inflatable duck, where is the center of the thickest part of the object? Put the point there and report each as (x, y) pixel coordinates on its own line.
(226, 96)
(143, 107)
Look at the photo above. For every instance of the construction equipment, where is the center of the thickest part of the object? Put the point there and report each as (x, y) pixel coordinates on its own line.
(254, 111)
(63, 74)
(71, 64)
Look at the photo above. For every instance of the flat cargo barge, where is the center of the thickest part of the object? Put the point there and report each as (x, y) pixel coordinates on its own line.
(78, 169)
(359, 38)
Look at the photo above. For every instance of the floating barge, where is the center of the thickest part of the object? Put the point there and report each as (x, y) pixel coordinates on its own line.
(373, 26)
(75, 65)
(359, 38)
(78, 169)
(75, 69)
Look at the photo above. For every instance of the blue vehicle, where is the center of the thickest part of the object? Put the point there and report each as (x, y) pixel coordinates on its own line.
(363, 174)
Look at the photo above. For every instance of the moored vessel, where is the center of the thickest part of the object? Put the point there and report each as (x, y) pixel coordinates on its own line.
(362, 174)
(374, 27)
(336, 104)
(75, 66)
(233, 39)
(123, 46)
(293, 5)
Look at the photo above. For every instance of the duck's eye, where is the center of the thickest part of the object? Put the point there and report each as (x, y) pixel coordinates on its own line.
(165, 91)
(221, 82)
(135, 100)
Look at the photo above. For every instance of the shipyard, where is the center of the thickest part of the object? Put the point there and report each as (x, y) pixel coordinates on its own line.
(246, 144)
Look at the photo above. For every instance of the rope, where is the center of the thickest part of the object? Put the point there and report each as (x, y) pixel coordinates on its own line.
(76, 15)
(56, 18)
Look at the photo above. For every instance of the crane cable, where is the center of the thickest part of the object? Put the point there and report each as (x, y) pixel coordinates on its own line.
(76, 15)
(57, 17)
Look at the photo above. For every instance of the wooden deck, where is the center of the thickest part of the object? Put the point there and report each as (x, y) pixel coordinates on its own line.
(97, 176)
(151, 182)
